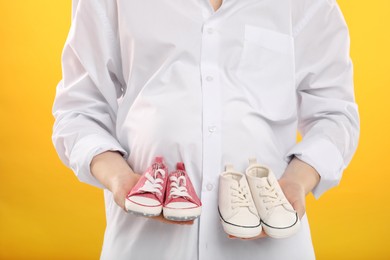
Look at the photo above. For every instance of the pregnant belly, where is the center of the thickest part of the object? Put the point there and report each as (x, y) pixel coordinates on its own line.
(155, 127)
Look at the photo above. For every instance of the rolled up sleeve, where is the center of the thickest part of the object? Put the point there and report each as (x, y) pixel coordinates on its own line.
(328, 114)
(86, 101)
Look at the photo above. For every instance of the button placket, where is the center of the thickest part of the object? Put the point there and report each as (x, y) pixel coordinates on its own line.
(211, 118)
(211, 93)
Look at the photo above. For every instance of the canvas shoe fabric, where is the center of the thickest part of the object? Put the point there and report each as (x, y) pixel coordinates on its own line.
(236, 207)
(279, 219)
(147, 196)
(181, 202)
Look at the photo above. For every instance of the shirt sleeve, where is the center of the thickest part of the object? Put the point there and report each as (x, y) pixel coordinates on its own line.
(328, 114)
(86, 102)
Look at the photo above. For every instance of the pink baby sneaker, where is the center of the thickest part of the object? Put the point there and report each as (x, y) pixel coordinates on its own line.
(146, 197)
(181, 202)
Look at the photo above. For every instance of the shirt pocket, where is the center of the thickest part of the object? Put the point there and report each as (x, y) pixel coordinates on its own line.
(266, 71)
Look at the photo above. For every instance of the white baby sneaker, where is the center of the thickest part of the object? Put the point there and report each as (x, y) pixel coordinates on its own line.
(278, 217)
(237, 210)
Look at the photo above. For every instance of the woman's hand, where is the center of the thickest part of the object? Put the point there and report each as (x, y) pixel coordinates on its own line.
(297, 181)
(295, 194)
(112, 170)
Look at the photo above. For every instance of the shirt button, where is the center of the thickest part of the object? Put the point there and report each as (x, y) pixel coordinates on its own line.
(209, 187)
(209, 78)
(212, 129)
(210, 30)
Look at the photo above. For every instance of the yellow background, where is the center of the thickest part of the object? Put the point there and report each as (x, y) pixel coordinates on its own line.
(45, 213)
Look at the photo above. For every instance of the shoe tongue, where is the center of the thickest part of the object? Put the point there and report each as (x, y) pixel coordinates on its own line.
(241, 181)
(236, 179)
(265, 181)
(159, 159)
(177, 173)
(180, 166)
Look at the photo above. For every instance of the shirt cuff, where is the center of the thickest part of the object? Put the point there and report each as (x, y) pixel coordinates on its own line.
(84, 151)
(324, 157)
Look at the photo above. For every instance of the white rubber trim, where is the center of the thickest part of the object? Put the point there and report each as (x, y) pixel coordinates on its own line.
(142, 210)
(282, 233)
(241, 232)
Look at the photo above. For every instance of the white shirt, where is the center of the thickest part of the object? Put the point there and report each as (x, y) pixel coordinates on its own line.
(174, 78)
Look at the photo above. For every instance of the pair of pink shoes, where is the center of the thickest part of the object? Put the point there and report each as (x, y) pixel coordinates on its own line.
(172, 193)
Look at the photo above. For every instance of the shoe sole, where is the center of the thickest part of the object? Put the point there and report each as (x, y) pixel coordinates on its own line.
(281, 232)
(142, 210)
(181, 214)
(241, 231)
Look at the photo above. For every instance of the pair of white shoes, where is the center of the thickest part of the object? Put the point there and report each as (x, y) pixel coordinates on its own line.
(254, 201)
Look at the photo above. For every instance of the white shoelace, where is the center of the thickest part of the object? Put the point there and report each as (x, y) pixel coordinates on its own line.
(271, 197)
(154, 183)
(240, 197)
(178, 187)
